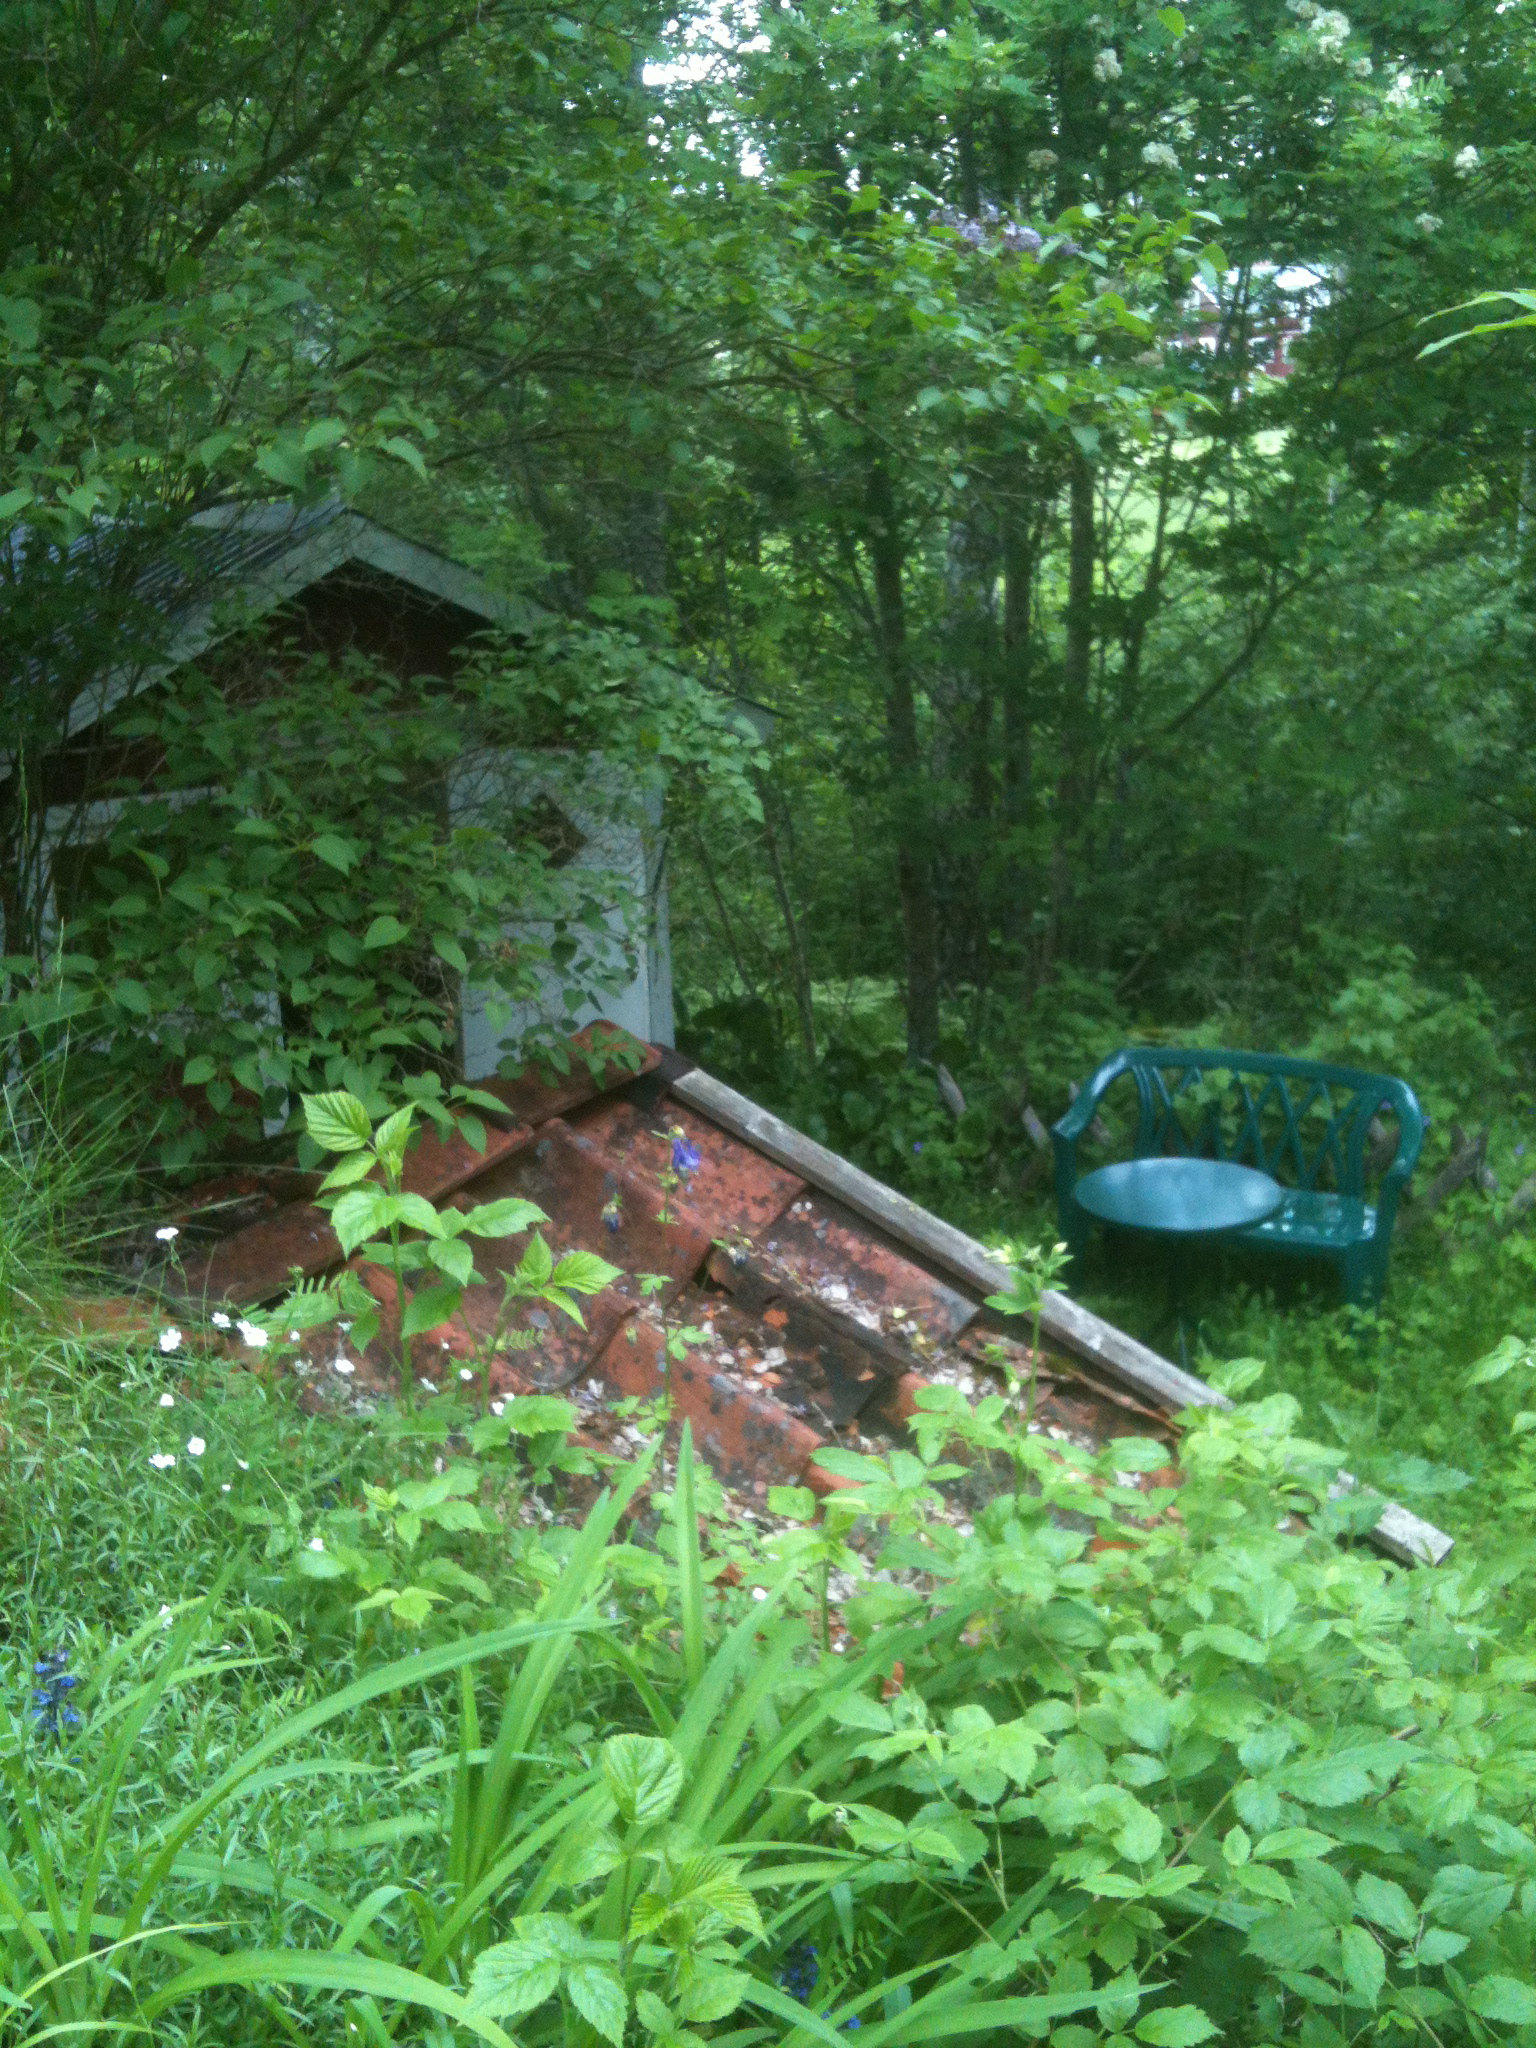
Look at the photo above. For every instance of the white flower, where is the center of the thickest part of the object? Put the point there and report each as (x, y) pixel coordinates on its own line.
(220, 1320)
(1106, 67)
(759, 1592)
(1042, 159)
(344, 1366)
(497, 1407)
(167, 1400)
(293, 1336)
(430, 1385)
(225, 1487)
(317, 1543)
(1362, 67)
(195, 1447)
(165, 1617)
(465, 1373)
(1428, 223)
(252, 1334)
(1467, 160)
(1160, 155)
(162, 1460)
(242, 1464)
(170, 1340)
(1330, 30)
(168, 1233)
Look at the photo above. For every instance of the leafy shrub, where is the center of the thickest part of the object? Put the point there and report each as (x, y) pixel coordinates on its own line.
(286, 901)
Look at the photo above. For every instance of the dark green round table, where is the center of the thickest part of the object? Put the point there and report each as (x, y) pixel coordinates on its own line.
(1180, 1200)
(1179, 1197)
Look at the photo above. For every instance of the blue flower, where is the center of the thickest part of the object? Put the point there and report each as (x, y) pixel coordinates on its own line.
(51, 1711)
(613, 1212)
(852, 2026)
(917, 1145)
(686, 1158)
(799, 1971)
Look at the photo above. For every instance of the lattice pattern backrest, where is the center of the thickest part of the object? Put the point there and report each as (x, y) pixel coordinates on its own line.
(1306, 1131)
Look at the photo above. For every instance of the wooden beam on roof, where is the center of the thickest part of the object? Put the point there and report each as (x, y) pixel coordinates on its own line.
(1067, 1323)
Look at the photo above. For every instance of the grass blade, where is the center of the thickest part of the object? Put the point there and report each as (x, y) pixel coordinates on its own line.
(690, 1580)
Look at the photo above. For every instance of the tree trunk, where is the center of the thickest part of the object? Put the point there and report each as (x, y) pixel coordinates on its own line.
(1074, 782)
(1018, 727)
(799, 965)
(908, 791)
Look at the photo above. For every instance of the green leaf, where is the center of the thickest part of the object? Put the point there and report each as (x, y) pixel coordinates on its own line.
(1172, 20)
(406, 452)
(451, 1255)
(1264, 1883)
(198, 1070)
(341, 854)
(1174, 2026)
(1437, 1945)
(599, 1997)
(504, 1218)
(713, 1995)
(540, 1415)
(431, 1306)
(1294, 1845)
(1388, 1905)
(585, 1273)
(324, 434)
(1506, 1999)
(384, 931)
(512, 1977)
(132, 995)
(284, 463)
(1365, 1967)
(645, 1776)
(339, 1121)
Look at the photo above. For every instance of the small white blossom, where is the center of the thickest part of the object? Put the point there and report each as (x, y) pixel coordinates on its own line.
(344, 1366)
(195, 1447)
(430, 1385)
(167, 1400)
(1362, 67)
(1330, 30)
(497, 1407)
(1106, 67)
(225, 1487)
(168, 1233)
(165, 1617)
(1428, 223)
(242, 1464)
(170, 1340)
(252, 1334)
(293, 1336)
(1467, 160)
(220, 1320)
(162, 1460)
(317, 1543)
(759, 1592)
(1160, 155)
(465, 1373)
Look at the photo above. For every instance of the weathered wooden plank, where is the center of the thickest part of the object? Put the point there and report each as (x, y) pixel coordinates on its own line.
(1064, 1321)
(1067, 1323)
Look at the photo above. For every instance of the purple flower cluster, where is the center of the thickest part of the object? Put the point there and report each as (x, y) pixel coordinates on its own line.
(799, 1970)
(686, 1158)
(989, 229)
(51, 1711)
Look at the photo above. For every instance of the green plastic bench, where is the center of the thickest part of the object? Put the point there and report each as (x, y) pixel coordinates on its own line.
(1305, 1124)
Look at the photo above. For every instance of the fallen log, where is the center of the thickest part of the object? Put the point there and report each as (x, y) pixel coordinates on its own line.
(1465, 1163)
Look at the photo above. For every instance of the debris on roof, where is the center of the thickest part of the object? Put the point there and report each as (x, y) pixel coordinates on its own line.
(788, 1300)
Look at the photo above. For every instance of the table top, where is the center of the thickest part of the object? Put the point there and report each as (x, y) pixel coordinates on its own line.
(1180, 1197)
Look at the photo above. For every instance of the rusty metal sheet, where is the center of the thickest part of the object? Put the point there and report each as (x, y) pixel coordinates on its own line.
(544, 1092)
(734, 1191)
(581, 1189)
(820, 1364)
(829, 1254)
(256, 1262)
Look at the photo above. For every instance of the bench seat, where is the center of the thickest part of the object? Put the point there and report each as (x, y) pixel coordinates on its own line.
(1313, 1127)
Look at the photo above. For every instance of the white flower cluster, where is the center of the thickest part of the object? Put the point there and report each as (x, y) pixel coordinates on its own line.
(1042, 159)
(1160, 156)
(1328, 28)
(1106, 67)
(1467, 160)
(1428, 223)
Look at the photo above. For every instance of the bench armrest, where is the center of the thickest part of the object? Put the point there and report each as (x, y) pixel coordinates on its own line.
(1066, 1131)
(1410, 1124)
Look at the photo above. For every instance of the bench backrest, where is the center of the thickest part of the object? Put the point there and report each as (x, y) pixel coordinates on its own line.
(1304, 1122)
